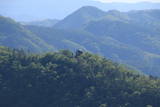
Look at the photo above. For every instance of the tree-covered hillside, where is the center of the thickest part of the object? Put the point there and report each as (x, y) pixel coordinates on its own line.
(127, 37)
(14, 35)
(66, 79)
(107, 46)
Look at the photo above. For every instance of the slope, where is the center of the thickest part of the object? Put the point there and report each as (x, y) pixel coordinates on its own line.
(13, 35)
(80, 17)
(63, 79)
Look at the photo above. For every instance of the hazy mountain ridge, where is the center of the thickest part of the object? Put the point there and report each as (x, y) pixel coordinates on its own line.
(49, 11)
(80, 17)
(14, 35)
(126, 37)
(43, 23)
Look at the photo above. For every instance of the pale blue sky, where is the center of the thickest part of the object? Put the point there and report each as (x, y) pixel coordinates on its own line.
(27, 10)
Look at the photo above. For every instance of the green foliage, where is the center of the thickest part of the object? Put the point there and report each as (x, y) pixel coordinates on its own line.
(62, 79)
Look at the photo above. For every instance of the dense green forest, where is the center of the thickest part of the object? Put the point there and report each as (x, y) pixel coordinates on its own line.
(72, 79)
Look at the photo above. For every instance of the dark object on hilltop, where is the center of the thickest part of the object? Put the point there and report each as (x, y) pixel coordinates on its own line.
(79, 52)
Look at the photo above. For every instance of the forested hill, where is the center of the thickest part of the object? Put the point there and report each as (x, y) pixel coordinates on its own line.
(66, 79)
(14, 35)
(130, 38)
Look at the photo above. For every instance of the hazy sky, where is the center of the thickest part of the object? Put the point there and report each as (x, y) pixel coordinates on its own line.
(27, 10)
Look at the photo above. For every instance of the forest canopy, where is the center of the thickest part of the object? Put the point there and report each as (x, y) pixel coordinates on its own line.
(67, 79)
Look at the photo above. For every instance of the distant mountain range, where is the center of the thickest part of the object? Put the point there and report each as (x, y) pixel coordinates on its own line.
(131, 38)
(60, 9)
(44, 23)
(128, 6)
(14, 35)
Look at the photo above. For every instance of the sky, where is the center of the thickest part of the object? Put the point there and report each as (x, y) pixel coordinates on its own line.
(128, 1)
(31, 10)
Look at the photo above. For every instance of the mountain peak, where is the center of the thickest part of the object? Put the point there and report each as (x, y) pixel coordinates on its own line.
(90, 10)
(80, 17)
(88, 7)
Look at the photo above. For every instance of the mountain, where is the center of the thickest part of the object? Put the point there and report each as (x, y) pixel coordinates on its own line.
(45, 23)
(63, 39)
(130, 38)
(14, 35)
(106, 46)
(135, 33)
(127, 6)
(80, 17)
(138, 29)
(66, 79)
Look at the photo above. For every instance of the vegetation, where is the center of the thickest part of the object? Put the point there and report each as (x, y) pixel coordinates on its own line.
(127, 37)
(130, 38)
(14, 35)
(63, 79)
